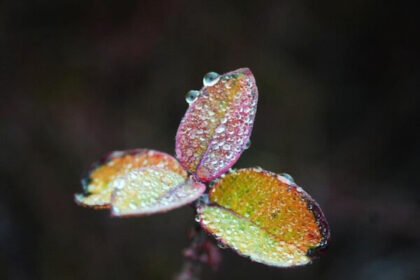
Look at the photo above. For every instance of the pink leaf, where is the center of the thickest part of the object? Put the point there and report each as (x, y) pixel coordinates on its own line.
(217, 125)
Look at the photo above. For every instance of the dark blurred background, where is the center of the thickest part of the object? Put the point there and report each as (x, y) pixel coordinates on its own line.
(338, 110)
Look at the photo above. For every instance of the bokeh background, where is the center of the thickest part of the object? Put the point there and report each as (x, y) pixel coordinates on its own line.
(338, 110)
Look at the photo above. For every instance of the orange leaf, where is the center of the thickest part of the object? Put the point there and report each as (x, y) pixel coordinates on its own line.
(266, 217)
(98, 183)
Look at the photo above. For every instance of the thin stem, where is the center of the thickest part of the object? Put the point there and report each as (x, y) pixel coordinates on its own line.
(201, 251)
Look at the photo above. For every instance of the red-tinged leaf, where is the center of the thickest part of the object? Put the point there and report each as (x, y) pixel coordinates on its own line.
(98, 181)
(152, 190)
(217, 125)
(266, 217)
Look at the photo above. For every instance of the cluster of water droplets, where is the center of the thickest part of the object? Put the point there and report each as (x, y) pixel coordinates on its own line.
(195, 132)
(249, 239)
(272, 201)
(181, 195)
(143, 188)
(210, 79)
(231, 136)
(103, 177)
(217, 126)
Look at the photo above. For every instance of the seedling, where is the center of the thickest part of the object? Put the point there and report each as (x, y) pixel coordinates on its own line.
(257, 213)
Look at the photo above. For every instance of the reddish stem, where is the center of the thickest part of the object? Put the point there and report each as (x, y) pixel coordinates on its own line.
(201, 251)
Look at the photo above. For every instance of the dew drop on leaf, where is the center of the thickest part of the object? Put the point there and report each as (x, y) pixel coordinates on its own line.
(220, 129)
(288, 177)
(266, 217)
(203, 199)
(151, 190)
(248, 144)
(216, 126)
(192, 96)
(226, 147)
(105, 175)
(210, 79)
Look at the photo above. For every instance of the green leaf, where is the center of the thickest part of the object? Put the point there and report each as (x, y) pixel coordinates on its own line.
(151, 190)
(98, 181)
(266, 217)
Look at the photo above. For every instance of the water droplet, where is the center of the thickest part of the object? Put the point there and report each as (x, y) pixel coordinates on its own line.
(119, 183)
(197, 218)
(220, 129)
(288, 177)
(248, 144)
(204, 199)
(210, 79)
(192, 96)
(221, 246)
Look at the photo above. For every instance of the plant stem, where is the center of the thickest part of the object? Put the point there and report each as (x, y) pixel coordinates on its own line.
(200, 251)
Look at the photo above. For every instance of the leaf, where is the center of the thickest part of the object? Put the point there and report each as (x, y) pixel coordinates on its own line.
(266, 217)
(151, 190)
(98, 181)
(217, 125)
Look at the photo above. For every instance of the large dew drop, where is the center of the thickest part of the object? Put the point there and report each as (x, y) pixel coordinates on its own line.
(210, 79)
(288, 177)
(191, 96)
(214, 130)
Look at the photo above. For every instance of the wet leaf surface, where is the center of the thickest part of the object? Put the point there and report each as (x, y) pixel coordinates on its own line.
(218, 123)
(99, 181)
(266, 217)
(151, 190)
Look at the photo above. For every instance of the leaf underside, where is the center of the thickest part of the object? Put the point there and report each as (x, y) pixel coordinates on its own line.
(216, 127)
(151, 190)
(266, 217)
(99, 181)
